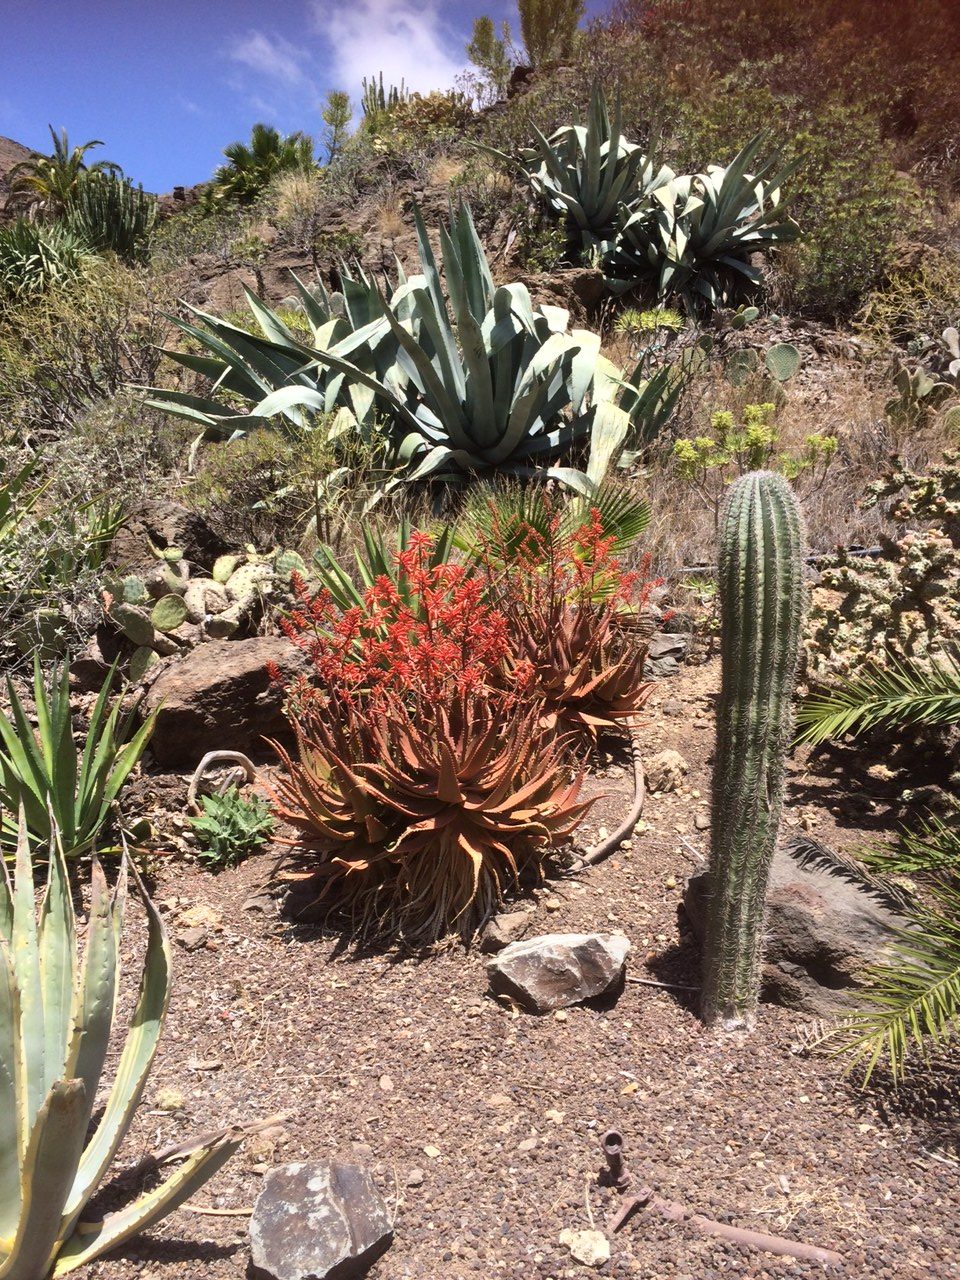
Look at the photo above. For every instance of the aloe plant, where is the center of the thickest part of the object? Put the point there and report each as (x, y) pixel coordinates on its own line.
(694, 235)
(590, 173)
(57, 1016)
(40, 772)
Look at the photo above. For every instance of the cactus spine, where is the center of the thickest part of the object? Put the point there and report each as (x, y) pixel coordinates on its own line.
(762, 601)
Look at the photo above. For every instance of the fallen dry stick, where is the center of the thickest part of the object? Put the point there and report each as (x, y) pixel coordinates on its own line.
(645, 1199)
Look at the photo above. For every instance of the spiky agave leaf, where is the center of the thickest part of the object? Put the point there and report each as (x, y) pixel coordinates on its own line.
(56, 1021)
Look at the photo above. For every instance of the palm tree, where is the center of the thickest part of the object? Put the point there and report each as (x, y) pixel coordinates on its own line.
(48, 184)
(914, 998)
(252, 165)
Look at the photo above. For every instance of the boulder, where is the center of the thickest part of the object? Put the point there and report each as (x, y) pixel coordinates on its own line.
(164, 524)
(318, 1221)
(504, 929)
(218, 697)
(558, 969)
(665, 652)
(665, 771)
(825, 925)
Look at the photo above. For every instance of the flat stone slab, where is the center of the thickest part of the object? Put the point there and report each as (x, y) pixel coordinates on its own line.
(318, 1221)
(558, 969)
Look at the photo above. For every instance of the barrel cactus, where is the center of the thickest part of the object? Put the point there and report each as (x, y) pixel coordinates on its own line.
(762, 600)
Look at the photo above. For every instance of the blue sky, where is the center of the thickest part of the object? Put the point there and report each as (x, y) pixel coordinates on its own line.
(168, 84)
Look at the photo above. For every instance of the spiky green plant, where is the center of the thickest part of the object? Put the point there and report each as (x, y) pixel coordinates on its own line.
(57, 1015)
(891, 696)
(40, 772)
(251, 166)
(377, 559)
(761, 589)
(590, 173)
(377, 99)
(694, 235)
(108, 212)
(913, 999)
(49, 183)
(36, 256)
(486, 382)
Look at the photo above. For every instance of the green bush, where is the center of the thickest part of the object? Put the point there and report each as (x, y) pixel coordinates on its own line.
(231, 827)
(70, 348)
(35, 257)
(853, 207)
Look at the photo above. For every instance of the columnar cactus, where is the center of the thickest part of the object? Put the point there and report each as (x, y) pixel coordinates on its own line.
(762, 600)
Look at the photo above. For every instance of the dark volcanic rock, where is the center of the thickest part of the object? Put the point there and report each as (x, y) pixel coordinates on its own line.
(219, 697)
(825, 925)
(318, 1221)
(165, 524)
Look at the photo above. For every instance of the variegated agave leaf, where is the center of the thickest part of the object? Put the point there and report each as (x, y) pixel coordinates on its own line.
(57, 1013)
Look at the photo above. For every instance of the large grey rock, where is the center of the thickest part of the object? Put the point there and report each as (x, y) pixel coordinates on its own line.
(825, 926)
(558, 969)
(219, 698)
(318, 1221)
(665, 652)
(162, 523)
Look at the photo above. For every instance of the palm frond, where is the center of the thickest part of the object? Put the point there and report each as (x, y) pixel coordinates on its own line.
(913, 1000)
(900, 694)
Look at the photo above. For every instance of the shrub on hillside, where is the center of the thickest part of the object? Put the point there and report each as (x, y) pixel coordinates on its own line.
(69, 348)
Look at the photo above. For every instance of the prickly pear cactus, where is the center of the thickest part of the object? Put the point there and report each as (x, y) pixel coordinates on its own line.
(782, 361)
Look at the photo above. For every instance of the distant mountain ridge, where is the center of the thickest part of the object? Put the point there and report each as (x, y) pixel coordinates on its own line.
(11, 154)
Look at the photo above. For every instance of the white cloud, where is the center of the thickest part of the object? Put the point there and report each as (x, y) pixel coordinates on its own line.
(270, 56)
(405, 40)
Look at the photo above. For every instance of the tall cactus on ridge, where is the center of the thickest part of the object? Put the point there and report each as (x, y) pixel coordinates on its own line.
(762, 602)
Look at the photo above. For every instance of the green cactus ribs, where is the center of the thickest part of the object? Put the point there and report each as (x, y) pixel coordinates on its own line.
(762, 602)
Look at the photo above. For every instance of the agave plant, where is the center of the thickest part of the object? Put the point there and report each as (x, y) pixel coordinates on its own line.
(39, 772)
(422, 822)
(590, 173)
(57, 1016)
(694, 234)
(249, 366)
(35, 256)
(490, 382)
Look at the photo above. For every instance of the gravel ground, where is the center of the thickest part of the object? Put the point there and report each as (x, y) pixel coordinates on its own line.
(481, 1124)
